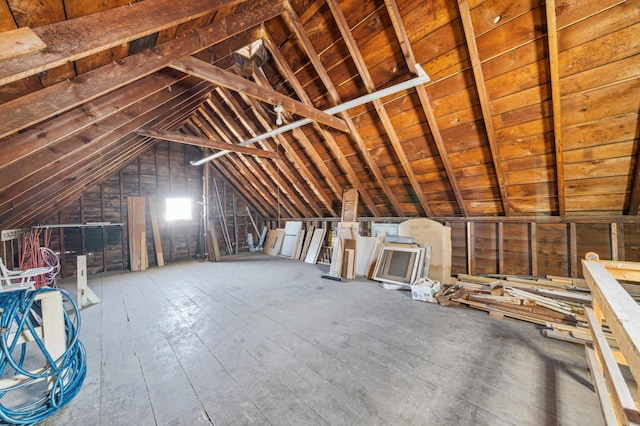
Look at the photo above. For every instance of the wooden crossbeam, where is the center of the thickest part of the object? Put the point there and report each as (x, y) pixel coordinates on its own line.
(465, 15)
(223, 78)
(204, 142)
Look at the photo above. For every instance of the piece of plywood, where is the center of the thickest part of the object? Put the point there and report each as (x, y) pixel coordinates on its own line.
(136, 225)
(297, 248)
(153, 213)
(18, 42)
(364, 248)
(274, 242)
(430, 233)
(315, 245)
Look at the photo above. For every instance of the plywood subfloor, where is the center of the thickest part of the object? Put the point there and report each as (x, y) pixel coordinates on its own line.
(265, 340)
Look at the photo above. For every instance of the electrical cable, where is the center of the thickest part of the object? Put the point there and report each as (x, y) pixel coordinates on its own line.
(21, 316)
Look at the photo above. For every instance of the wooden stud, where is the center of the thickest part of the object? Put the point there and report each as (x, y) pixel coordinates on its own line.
(485, 106)
(552, 38)
(500, 244)
(613, 240)
(471, 263)
(573, 250)
(533, 248)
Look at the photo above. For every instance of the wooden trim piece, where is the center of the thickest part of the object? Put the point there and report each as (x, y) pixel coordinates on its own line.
(216, 75)
(634, 202)
(45, 103)
(204, 142)
(552, 37)
(500, 248)
(157, 241)
(613, 241)
(369, 84)
(485, 106)
(83, 36)
(405, 45)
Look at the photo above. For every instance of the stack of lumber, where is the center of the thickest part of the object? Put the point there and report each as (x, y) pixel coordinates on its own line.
(555, 303)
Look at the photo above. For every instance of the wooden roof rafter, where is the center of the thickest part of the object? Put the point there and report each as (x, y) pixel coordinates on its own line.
(296, 26)
(299, 134)
(53, 100)
(467, 24)
(269, 181)
(262, 116)
(369, 84)
(205, 71)
(39, 172)
(203, 142)
(556, 100)
(195, 127)
(206, 127)
(123, 147)
(405, 46)
(290, 182)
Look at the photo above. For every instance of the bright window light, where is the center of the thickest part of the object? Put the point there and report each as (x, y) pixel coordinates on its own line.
(178, 209)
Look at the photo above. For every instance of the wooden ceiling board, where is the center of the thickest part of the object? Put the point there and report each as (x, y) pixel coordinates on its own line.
(614, 129)
(34, 14)
(493, 14)
(7, 22)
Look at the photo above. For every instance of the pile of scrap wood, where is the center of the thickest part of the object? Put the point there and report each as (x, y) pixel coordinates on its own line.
(556, 303)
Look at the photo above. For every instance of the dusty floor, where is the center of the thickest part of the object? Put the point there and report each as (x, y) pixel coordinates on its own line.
(266, 340)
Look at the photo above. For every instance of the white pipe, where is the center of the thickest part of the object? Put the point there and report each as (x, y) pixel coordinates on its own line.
(420, 79)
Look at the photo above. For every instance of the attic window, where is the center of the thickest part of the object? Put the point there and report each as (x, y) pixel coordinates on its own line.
(254, 53)
(178, 209)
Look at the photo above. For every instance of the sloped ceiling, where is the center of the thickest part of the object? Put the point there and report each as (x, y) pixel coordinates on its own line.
(532, 107)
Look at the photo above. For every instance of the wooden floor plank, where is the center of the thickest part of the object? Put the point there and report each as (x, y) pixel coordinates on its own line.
(263, 339)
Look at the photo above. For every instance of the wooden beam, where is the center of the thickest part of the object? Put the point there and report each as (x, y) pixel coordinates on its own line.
(296, 26)
(263, 117)
(310, 150)
(634, 202)
(251, 186)
(77, 157)
(363, 71)
(216, 75)
(405, 46)
(485, 106)
(253, 167)
(19, 146)
(552, 38)
(73, 39)
(45, 103)
(281, 175)
(204, 142)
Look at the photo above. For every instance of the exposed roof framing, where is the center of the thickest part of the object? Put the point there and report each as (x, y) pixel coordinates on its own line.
(379, 106)
(481, 88)
(407, 51)
(531, 111)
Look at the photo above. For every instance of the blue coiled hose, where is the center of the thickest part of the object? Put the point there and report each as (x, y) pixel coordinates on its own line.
(21, 312)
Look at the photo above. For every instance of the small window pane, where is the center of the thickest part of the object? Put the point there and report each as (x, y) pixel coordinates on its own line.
(178, 209)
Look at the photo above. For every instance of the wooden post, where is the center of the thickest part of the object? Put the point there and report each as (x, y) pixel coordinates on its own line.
(533, 246)
(500, 248)
(573, 251)
(614, 241)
